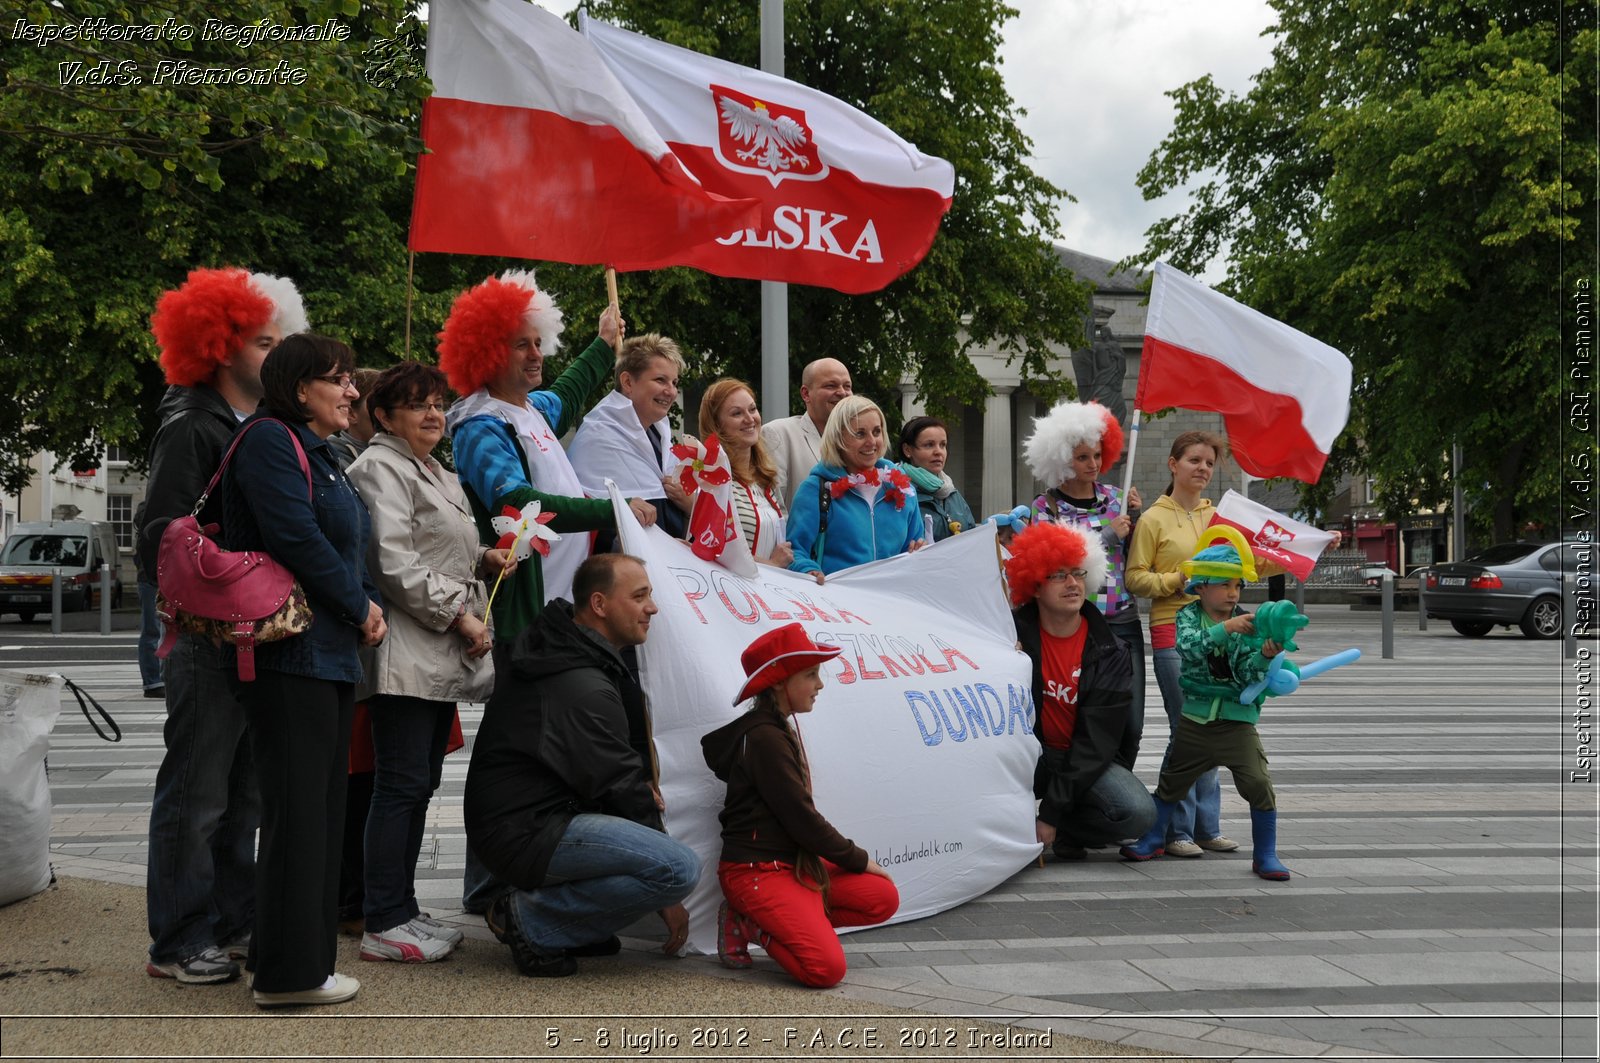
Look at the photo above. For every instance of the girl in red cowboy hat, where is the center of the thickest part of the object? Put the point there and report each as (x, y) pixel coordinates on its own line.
(788, 876)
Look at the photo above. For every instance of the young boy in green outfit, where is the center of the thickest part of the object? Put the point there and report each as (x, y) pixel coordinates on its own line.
(1219, 661)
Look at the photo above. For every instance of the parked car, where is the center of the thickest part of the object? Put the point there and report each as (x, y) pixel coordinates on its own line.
(1508, 583)
(79, 548)
(1372, 576)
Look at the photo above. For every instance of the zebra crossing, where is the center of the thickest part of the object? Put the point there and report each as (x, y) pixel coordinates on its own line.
(1443, 904)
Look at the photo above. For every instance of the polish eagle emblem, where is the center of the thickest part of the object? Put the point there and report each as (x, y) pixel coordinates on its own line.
(761, 137)
(771, 138)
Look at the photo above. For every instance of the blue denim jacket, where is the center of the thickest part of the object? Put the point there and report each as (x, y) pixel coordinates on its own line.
(322, 540)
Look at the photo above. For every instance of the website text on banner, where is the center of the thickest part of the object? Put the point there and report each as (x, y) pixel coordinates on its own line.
(1284, 397)
(535, 150)
(845, 202)
(921, 745)
(1271, 535)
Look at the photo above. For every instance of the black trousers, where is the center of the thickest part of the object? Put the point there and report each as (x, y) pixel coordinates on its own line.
(300, 735)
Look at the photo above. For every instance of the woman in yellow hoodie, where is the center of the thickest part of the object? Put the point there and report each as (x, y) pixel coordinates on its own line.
(1168, 533)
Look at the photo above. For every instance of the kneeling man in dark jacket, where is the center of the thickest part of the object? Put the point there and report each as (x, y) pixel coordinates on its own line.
(1082, 694)
(560, 802)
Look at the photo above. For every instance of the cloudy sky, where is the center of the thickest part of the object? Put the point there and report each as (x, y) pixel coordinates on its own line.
(1092, 76)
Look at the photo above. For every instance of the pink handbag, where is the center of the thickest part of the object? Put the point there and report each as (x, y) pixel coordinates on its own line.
(238, 596)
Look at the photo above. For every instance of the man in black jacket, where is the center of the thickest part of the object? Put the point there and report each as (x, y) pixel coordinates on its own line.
(560, 800)
(1082, 694)
(214, 332)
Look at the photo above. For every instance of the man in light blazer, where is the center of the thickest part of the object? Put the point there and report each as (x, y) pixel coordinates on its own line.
(795, 442)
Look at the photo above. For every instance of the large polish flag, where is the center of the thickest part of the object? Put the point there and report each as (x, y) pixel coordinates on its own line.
(846, 203)
(1283, 396)
(537, 152)
(1293, 544)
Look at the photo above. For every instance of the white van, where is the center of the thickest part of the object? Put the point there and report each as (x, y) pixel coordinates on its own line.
(80, 548)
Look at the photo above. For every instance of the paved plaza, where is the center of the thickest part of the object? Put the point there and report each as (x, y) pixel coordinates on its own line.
(1443, 904)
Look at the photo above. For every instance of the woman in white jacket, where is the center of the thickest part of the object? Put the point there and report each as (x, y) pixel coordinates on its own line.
(425, 557)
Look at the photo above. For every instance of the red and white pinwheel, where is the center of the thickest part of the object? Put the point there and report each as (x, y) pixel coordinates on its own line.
(704, 465)
(706, 476)
(523, 531)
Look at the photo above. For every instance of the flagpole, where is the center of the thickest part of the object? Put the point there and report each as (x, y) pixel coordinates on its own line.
(411, 270)
(774, 294)
(611, 296)
(1133, 446)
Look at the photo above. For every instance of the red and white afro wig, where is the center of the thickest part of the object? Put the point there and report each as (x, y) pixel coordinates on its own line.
(1040, 549)
(476, 341)
(215, 312)
(1061, 431)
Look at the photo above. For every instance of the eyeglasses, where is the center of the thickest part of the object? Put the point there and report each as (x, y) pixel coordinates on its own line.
(342, 381)
(1077, 575)
(424, 407)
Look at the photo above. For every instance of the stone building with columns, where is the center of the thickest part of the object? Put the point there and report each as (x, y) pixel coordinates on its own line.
(986, 441)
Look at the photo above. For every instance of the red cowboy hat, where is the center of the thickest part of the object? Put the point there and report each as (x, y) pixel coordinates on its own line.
(777, 655)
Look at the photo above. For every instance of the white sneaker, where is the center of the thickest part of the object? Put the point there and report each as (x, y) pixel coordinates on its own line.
(343, 988)
(1184, 848)
(442, 931)
(407, 943)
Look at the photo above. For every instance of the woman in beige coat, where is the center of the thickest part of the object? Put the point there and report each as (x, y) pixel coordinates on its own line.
(426, 560)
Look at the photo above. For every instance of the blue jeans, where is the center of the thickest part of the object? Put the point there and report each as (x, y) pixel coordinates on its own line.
(408, 740)
(605, 873)
(1116, 807)
(1199, 814)
(200, 878)
(149, 637)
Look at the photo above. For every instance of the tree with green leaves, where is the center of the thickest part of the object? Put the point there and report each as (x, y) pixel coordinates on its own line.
(111, 189)
(113, 185)
(1405, 182)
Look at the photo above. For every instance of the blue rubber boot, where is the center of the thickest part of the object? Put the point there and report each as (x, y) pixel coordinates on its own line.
(1152, 844)
(1264, 833)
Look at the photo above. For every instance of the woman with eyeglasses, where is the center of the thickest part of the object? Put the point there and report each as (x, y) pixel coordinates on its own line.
(283, 494)
(856, 506)
(425, 557)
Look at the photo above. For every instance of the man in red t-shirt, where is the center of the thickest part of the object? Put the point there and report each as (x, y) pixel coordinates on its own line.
(1082, 691)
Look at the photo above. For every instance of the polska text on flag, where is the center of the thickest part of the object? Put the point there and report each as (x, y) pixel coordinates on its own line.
(846, 203)
(1291, 543)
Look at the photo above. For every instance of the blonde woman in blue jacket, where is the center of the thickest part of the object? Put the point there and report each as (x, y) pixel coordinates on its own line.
(855, 506)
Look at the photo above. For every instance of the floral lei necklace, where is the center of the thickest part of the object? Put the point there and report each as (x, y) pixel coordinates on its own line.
(898, 483)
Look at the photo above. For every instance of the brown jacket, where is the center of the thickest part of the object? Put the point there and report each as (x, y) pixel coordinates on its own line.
(769, 814)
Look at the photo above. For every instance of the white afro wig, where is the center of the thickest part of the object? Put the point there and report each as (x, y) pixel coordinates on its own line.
(1058, 433)
(543, 313)
(289, 310)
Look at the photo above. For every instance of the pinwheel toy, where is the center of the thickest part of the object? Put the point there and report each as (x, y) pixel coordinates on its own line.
(522, 532)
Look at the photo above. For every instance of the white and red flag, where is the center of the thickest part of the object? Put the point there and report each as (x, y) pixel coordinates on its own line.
(537, 152)
(1273, 536)
(706, 476)
(845, 202)
(1283, 396)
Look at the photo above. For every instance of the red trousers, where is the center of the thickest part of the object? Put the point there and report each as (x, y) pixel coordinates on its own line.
(796, 929)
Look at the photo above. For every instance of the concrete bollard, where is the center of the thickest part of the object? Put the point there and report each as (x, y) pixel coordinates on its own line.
(1422, 600)
(105, 599)
(55, 601)
(1388, 616)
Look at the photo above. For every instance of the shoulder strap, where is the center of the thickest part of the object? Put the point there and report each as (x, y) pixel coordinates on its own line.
(216, 478)
(824, 500)
(82, 695)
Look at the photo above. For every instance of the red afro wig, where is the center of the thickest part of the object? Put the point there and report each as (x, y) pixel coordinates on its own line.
(474, 346)
(206, 321)
(1041, 549)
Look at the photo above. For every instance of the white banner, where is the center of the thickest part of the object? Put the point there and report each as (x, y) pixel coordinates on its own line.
(921, 746)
